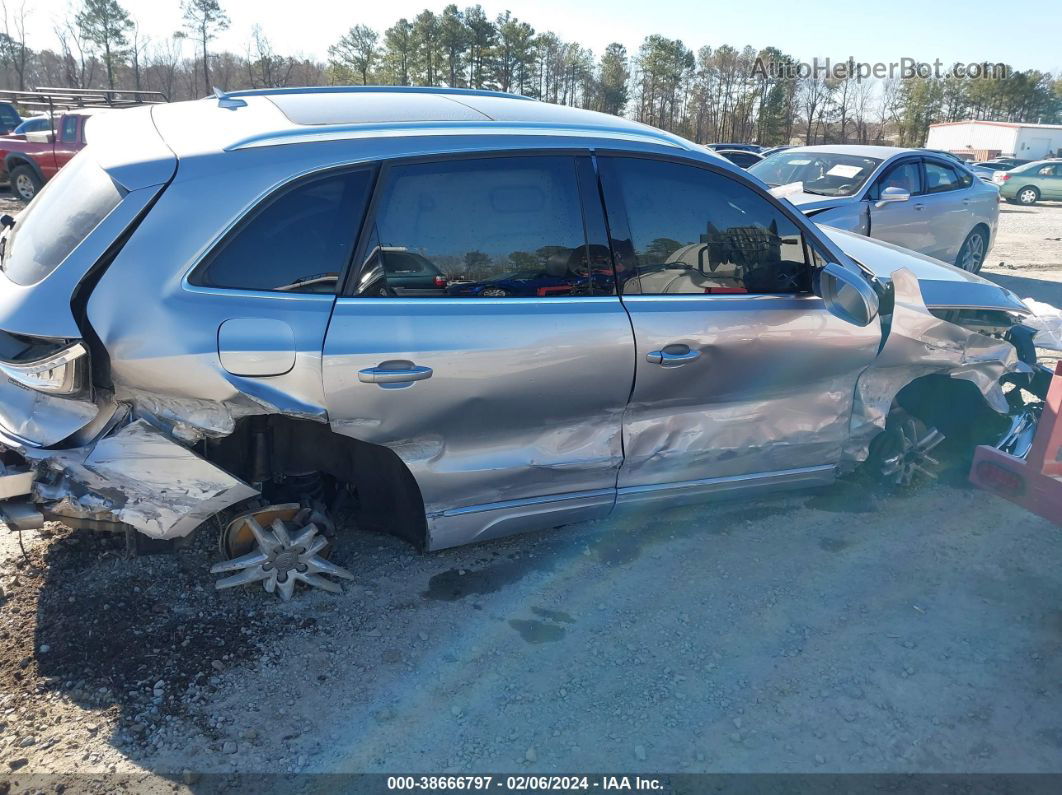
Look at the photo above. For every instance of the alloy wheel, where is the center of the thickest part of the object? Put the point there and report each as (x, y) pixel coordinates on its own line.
(973, 253)
(24, 187)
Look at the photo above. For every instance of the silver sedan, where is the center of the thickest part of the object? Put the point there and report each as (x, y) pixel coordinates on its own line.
(910, 197)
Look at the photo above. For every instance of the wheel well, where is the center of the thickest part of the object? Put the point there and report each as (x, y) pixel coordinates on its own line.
(988, 233)
(953, 405)
(271, 448)
(14, 161)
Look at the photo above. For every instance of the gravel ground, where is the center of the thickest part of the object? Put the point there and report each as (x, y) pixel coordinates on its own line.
(836, 631)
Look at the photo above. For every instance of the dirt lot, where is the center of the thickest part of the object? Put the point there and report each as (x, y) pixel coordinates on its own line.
(837, 631)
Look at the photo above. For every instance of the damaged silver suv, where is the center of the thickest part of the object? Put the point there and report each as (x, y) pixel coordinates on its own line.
(466, 314)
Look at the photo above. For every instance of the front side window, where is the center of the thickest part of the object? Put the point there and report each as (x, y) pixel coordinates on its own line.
(941, 178)
(906, 176)
(498, 227)
(682, 229)
(298, 242)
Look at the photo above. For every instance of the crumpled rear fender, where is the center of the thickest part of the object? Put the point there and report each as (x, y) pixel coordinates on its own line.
(137, 475)
(921, 344)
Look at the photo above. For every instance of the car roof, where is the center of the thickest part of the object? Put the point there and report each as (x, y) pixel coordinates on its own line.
(857, 150)
(268, 117)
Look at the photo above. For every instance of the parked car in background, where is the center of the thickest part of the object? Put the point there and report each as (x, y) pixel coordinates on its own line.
(9, 118)
(1008, 162)
(1030, 183)
(962, 160)
(33, 124)
(913, 198)
(740, 157)
(29, 163)
(742, 147)
(773, 149)
(213, 335)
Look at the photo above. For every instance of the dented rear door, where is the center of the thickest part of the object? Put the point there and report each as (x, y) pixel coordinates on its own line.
(497, 392)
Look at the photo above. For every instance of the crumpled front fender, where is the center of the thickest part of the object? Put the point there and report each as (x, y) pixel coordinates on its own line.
(921, 344)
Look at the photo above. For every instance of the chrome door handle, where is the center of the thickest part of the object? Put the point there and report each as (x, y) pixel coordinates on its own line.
(394, 372)
(672, 356)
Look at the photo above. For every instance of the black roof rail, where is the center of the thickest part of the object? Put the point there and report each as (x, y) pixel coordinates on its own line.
(51, 99)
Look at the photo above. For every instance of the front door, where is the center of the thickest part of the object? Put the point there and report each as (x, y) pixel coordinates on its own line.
(742, 375)
(901, 223)
(503, 389)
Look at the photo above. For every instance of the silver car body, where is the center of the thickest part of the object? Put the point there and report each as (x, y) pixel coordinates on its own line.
(538, 412)
(936, 224)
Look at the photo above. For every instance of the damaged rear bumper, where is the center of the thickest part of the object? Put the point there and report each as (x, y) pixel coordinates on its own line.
(136, 476)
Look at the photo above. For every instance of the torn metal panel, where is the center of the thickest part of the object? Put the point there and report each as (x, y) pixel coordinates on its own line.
(920, 344)
(40, 418)
(143, 478)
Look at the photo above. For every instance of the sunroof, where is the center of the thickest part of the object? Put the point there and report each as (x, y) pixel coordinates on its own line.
(367, 108)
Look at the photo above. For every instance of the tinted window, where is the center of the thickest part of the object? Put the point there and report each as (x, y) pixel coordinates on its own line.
(1047, 171)
(68, 207)
(298, 242)
(940, 178)
(9, 116)
(906, 176)
(493, 228)
(681, 229)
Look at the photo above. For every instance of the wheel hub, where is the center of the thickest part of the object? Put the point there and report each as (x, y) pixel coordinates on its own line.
(280, 558)
(910, 456)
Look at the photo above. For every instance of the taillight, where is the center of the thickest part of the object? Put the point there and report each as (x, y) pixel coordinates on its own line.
(59, 373)
(440, 281)
(1002, 480)
(1003, 177)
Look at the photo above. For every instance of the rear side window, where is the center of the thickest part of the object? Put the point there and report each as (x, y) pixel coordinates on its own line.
(297, 242)
(498, 227)
(58, 219)
(8, 115)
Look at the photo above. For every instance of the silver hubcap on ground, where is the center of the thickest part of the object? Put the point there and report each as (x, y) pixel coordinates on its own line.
(912, 445)
(24, 186)
(280, 560)
(1027, 196)
(972, 253)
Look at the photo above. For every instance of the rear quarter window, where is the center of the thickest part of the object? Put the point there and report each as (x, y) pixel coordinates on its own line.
(58, 219)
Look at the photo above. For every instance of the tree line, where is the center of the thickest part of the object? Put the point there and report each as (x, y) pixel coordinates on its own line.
(705, 94)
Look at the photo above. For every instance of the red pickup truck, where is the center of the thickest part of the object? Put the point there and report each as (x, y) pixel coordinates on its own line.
(29, 163)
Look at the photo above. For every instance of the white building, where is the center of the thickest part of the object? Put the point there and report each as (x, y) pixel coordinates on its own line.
(985, 139)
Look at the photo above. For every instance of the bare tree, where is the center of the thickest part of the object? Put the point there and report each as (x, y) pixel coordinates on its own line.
(203, 20)
(14, 51)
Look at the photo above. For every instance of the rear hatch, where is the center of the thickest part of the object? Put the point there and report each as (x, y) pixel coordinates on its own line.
(53, 247)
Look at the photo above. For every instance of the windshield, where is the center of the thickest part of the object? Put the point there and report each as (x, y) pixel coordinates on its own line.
(58, 219)
(823, 173)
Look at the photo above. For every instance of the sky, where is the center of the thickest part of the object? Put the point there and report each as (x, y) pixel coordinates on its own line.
(1024, 33)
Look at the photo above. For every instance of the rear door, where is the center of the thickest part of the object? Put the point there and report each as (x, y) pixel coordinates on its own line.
(947, 209)
(742, 376)
(494, 400)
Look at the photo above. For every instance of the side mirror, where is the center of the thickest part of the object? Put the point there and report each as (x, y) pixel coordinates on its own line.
(893, 194)
(847, 295)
